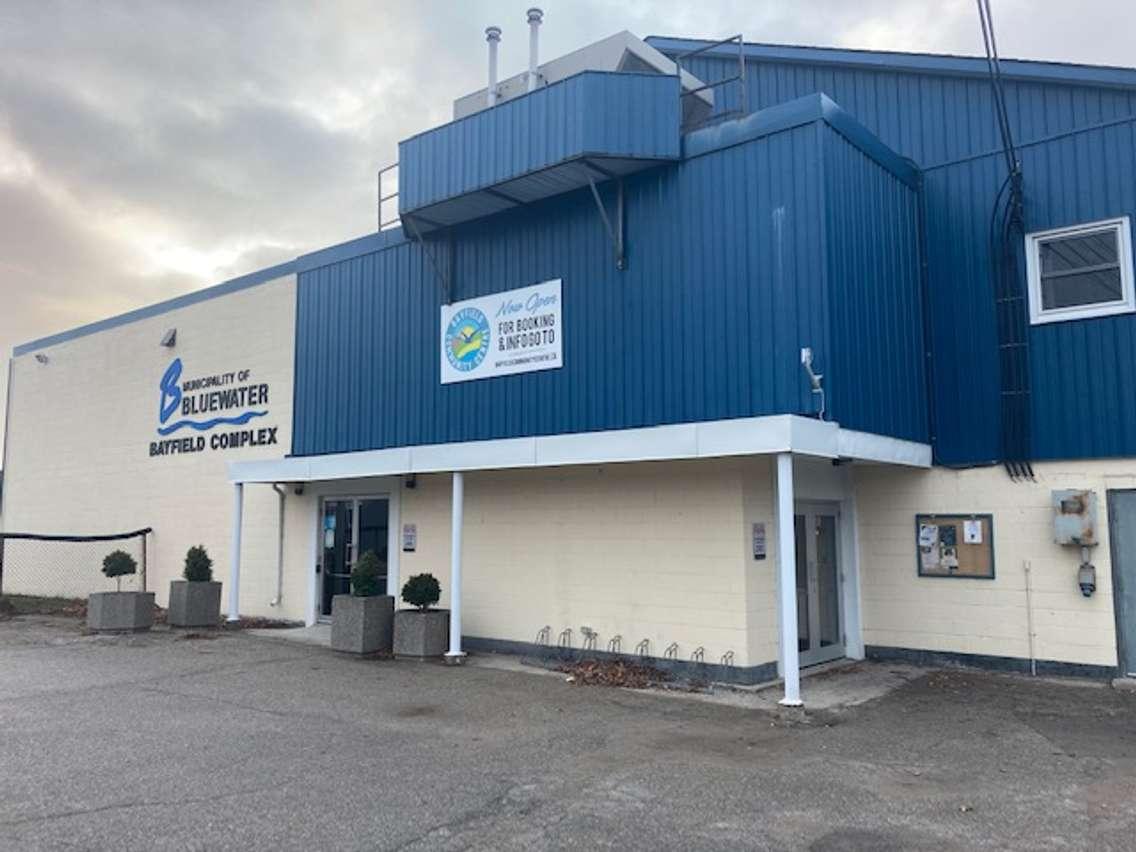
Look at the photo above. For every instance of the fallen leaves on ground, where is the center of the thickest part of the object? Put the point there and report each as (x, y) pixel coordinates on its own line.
(252, 622)
(613, 673)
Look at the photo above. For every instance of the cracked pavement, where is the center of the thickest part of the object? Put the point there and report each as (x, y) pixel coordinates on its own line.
(156, 742)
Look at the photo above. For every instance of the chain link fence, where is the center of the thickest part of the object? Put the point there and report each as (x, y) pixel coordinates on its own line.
(68, 566)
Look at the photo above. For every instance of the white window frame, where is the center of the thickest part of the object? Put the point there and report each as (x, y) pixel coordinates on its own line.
(1125, 305)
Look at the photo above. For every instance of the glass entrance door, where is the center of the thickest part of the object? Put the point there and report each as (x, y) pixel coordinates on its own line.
(350, 527)
(820, 618)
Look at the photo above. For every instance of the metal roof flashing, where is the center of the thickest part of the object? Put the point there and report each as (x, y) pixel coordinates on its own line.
(794, 113)
(919, 63)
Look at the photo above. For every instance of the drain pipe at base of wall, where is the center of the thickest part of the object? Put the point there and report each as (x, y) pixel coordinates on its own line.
(282, 493)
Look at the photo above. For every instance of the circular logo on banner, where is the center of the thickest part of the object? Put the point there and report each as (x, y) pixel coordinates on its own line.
(467, 339)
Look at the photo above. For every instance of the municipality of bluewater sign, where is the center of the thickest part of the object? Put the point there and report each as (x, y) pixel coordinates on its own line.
(517, 331)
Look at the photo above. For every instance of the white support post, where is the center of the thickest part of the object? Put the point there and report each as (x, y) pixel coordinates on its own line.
(455, 654)
(787, 581)
(235, 554)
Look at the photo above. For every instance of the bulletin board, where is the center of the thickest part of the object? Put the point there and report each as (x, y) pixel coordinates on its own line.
(955, 546)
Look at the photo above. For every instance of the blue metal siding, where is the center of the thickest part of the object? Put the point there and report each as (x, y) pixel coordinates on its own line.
(930, 118)
(593, 113)
(726, 280)
(1077, 149)
(1082, 372)
(704, 324)
(875, 378)
(966, 393)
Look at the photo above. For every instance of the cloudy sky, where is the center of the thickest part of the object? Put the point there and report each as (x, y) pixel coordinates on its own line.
(151, 147)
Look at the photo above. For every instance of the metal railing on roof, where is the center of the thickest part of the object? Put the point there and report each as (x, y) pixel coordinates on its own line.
(739, 78)
(388, 201)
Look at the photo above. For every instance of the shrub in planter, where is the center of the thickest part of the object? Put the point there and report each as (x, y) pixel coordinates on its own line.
(119, 611)
(198, 565)
(422, 591)
(118, 564)
(363, 622)
(196, 600)
(421, 632)
(366, 576)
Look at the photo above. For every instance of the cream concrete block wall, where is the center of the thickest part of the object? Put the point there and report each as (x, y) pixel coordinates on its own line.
(901, 609)
(652, 550)
(762, 611)
(80, 427)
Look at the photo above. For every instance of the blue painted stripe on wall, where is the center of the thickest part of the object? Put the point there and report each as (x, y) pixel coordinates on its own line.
(233, 285)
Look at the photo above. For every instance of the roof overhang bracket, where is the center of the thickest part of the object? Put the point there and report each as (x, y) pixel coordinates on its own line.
(439, 271)
(613, 224)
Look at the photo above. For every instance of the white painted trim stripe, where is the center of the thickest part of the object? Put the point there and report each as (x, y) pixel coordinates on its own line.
(782, 433)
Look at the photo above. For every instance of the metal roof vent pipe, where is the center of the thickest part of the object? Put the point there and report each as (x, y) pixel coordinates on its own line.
(493, 36)
(535, 16)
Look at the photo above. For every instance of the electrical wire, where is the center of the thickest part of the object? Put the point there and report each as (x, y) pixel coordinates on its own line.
(1007, 220)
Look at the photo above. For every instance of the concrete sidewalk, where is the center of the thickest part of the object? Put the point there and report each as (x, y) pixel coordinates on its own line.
(160, 742)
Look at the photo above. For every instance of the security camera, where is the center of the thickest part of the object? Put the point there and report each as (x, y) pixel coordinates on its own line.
(1087, 579)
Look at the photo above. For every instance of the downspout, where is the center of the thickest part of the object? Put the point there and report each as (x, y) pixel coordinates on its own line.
(7, 430)
(282, 493)
(926, 328)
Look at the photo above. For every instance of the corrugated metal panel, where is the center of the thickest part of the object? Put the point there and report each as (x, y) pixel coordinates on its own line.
(876, 377)
(930, 118)
(624, 115)
(1082, 372)
(1078, 406)
(725, 282)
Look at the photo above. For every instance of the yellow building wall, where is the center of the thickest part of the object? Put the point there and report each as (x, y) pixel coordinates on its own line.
(643, 551)
(652, 551)
(79, 432)
(901, 609)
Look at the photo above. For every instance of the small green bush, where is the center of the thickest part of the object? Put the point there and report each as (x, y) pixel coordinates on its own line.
(422, 591)
(198, 565)
(118, 564)
(367, 575)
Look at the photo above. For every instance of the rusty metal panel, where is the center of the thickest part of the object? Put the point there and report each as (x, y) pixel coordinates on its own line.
(1075, 517)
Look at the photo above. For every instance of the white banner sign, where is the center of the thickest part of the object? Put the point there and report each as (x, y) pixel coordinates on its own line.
(514, 332)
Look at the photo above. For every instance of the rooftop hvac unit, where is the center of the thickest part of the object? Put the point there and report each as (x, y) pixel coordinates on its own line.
(620, 52)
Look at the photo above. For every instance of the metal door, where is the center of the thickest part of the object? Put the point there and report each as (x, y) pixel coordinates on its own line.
(820, 616)
(337, 526)
(350, 527)
(1122, 535)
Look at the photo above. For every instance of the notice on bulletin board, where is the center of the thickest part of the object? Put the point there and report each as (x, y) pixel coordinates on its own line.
(955, 546)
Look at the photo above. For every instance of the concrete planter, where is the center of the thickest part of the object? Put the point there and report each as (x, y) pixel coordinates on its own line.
(120, 612)
(421, 634)
(194, 604)
(362, 625)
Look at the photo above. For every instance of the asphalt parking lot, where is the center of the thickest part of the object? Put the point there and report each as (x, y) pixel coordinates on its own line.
(238, 742)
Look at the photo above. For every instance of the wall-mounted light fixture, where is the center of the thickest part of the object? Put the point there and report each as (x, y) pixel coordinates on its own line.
(169, 339)
(815, 379)
(41, 358)
(411, 480)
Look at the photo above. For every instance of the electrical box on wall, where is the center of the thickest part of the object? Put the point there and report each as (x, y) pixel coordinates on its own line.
(1075, 517)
